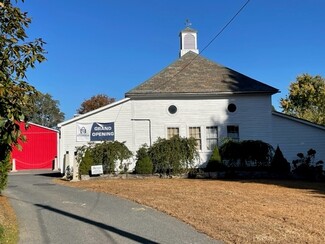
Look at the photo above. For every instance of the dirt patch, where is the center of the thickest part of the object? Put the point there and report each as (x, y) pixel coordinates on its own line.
(235, 212)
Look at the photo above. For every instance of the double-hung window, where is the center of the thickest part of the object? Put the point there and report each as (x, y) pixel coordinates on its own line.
(211, 137)
(195, 132)
(172, 131)
(233, 132)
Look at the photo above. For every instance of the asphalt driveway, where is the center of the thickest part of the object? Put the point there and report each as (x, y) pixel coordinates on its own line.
(51, 213)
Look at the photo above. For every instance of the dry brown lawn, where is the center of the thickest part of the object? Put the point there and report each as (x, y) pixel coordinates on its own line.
(231, 211)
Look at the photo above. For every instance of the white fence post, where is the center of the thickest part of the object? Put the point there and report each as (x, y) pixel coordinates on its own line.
(14, 165)
(55, 168)
(75, 168)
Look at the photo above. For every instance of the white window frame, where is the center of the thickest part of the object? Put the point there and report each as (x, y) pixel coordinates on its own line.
(196, 136)
(174, 131)
(211, 137)
(234, 135)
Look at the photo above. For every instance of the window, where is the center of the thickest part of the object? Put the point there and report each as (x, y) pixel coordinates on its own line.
(232, 108)
(172, 109)
(172, 131)
(233, 132)
(195, 132)
(212, 137)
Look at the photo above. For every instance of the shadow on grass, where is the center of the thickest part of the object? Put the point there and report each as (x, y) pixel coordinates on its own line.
(316, 187)
(312, 187)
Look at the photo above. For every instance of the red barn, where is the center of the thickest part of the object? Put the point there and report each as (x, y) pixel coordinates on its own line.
(39, 150)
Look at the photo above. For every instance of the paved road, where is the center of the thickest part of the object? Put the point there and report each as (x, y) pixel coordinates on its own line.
(51, 213)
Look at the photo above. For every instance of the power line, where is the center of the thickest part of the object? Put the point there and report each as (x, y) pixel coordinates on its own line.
(228, 23)
(213, 39)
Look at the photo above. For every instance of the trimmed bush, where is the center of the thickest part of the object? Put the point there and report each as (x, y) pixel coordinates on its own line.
(173, 156)
(215, 163)
(108, 154)
(247, 154)
(142, 152)
(144, 166)
(256, 153)
(279, 164)
(230, 151)
(86, 163)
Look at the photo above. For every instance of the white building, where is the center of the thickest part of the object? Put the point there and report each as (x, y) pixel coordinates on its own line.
(193, 97)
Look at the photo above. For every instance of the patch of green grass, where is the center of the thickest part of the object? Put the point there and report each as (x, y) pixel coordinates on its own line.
(8, 223)
(2, 230)
(8, 234)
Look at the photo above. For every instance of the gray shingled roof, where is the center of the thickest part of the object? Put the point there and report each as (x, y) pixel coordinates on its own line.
(188, 29)
(193, 74)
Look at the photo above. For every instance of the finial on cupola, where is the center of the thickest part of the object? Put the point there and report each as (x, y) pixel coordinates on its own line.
(188, 39)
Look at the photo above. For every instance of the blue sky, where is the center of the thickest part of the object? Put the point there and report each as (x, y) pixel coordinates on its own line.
(109, 47)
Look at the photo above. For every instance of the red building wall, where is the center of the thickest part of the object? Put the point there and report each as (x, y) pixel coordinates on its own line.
(39, 150)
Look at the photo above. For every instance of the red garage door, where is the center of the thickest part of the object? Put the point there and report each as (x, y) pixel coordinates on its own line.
(39, 150)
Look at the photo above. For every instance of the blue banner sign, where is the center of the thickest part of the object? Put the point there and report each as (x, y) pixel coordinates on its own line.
(95, 131)
(102, 132)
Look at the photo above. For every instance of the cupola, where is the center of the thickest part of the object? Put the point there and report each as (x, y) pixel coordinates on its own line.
(188, 40)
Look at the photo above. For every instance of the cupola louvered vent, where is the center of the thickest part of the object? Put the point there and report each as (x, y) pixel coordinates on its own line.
(189, 41)
(188, 38)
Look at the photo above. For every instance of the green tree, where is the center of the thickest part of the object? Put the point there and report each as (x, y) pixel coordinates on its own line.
(306, 99)
(16, 56)
(45, 111)
(94, 102)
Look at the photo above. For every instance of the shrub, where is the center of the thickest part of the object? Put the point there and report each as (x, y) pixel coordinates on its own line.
(173, 155)
(86, 163)
(144, 166)
(215, 163)
(256, 153)
(230, 152)
(249, 153)
(4, 168)
(142, 152)
(305, 166)
(279, 164)
(108, 154)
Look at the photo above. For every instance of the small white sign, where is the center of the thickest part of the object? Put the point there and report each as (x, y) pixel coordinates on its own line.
(97, 169)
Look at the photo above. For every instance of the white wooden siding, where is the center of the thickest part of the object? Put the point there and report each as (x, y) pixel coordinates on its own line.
(141, 133)
(296, 137)
(120, 115)
(141, 121)
(253, 116)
